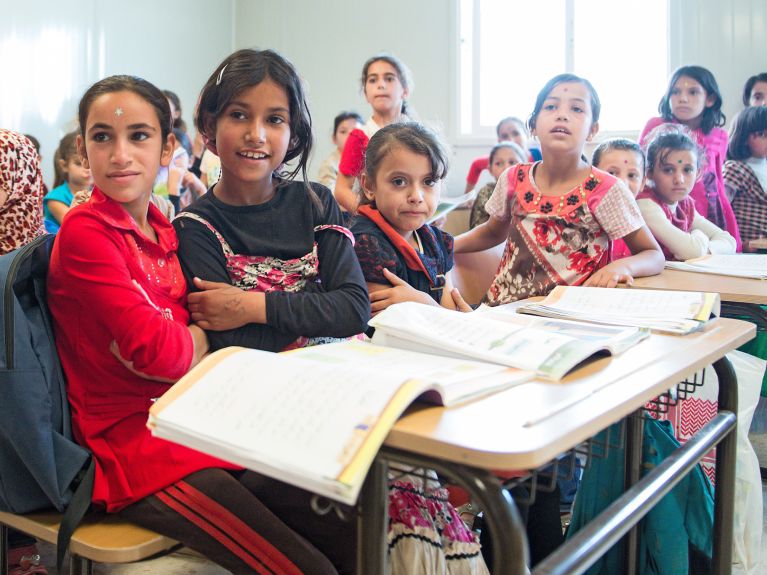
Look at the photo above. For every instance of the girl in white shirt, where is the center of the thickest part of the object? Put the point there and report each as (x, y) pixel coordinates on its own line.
(673, 166)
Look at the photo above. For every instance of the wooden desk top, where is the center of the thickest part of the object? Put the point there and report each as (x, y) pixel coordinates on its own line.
(731, 289)
(528, 425)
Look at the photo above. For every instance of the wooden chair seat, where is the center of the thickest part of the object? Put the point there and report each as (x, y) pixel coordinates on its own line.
(100, 538)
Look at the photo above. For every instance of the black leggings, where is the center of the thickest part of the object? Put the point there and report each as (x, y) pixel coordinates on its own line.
(249, 523)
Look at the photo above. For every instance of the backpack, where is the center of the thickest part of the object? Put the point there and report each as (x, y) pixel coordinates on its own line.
(41, 466)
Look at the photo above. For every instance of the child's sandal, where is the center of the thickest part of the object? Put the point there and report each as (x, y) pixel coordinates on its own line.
(25, 561)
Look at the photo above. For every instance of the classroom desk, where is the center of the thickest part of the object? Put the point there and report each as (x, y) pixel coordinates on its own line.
(527, 426)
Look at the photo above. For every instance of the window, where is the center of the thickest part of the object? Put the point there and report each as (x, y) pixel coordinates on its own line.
(508, 50)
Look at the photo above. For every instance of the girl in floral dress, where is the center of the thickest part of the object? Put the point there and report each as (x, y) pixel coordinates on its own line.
(560, 215)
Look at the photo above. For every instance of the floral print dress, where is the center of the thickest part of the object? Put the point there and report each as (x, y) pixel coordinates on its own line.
(556, 239)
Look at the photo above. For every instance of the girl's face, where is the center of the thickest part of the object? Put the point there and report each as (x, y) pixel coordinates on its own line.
(383, 88)
(758, 94)
(404, 190)
(502, 159)
(625, 165)
(675, 176)
(252, 134)
(123, 147)
(343, 131)
(564, 121)
(757, 143)
(688, 100)
(78, 176)
(513, 132)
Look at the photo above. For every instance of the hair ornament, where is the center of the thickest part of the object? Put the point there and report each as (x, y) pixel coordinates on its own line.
(220, 75)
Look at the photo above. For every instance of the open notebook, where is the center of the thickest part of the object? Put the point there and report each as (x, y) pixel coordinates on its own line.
(739, 265)
(549, 351)
(314, 417)
(677, 312)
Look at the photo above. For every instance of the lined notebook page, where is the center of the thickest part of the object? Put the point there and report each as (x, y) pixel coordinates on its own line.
(622, 302)
(283, 409)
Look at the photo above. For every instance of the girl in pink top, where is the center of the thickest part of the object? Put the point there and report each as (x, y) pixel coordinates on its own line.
(693, 99)
(560, 215)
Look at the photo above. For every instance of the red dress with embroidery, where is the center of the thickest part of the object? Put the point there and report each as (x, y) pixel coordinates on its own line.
(109, 283)
(556, 239)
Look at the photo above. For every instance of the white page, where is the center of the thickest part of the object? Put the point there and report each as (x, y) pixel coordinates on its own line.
(622, 302)
(284, 409)
(468, 334)
(745, 262)
(457, 378)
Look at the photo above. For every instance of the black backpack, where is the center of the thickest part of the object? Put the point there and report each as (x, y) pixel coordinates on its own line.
(40, 464)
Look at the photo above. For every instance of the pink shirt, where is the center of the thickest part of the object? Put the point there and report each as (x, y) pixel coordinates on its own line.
(708, 193)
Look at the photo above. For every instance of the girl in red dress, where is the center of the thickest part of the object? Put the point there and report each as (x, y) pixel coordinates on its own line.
(118, 298)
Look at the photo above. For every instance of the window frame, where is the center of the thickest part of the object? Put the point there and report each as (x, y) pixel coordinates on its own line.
(484, 135)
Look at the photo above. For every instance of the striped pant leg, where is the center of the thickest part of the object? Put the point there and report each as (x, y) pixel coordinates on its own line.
(211, 512)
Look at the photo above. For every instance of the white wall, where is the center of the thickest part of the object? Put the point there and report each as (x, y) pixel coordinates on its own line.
(331, 40)
(52, 50)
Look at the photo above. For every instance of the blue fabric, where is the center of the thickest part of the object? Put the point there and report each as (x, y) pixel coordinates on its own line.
(684, 516)
(61, 194)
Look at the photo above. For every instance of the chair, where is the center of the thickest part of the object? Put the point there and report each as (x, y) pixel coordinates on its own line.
(473, 273)
(99, 538)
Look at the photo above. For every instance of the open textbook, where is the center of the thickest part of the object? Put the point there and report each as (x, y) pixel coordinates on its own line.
(448, 204)
(549, 351)
(677, 312)
(740, 265)
(315, 417)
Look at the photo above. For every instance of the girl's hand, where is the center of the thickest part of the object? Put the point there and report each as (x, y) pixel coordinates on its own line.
(460, 303)
(400, 292)
(219, 306)
(610, 276)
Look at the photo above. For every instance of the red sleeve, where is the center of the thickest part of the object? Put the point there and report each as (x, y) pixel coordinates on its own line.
(476, 170)
(353, 156)
(92, 264)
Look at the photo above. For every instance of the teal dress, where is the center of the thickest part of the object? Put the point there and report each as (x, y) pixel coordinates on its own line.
(683, 519)
(61, 194)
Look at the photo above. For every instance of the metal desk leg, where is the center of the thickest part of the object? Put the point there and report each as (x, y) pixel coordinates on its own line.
(371, 524)
(632, 474)
(724, 495)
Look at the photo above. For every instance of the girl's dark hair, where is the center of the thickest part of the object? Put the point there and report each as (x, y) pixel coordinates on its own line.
(66, 150)
(712, 116)
(667, 138)
(596, 106)
(145, 90)
(521, 154)
(618, 144)
(343, 116)
(412, 136)
(752, 119)
(403, 72)
(512, 119)
(749, 86)
(247, 68)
